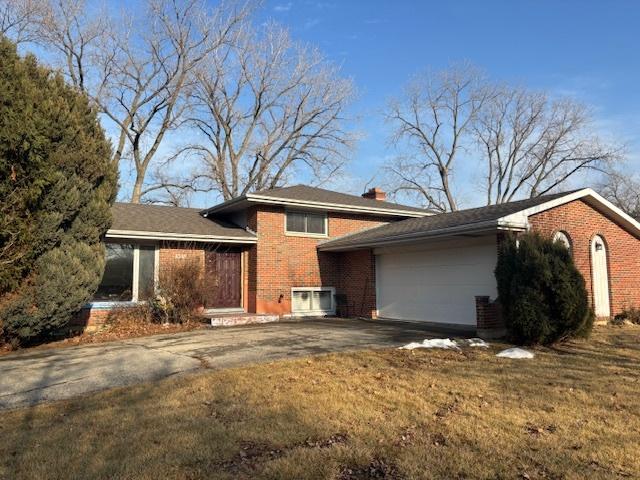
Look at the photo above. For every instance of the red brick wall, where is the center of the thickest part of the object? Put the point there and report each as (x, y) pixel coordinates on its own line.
(175, 253)
(279, 262)
(357, 281)
(90, 318)
(581, 222)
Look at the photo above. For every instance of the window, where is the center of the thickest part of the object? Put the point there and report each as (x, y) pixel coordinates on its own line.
(563, 238)
(146, 272)
(129, 273)
(312, 300)
(314, 224)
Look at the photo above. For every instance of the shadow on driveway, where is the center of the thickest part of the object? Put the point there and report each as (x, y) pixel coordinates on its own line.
(28, 378)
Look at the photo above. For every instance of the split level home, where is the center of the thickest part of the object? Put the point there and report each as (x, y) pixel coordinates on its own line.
(303, 251)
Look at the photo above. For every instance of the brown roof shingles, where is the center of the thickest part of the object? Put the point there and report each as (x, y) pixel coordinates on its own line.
(440, 221)
(320, 195)
(299, 194)
(163, 219)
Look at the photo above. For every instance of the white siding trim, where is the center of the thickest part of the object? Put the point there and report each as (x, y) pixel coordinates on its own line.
(587, 194)
(140, 235)
(136, 273)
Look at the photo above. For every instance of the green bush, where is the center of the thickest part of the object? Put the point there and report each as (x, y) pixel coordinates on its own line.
(56, 187)
(542, 293)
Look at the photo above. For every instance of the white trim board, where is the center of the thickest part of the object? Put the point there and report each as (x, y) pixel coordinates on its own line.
(517, 221)
(308, 204)
(590, 196)
(140, 235)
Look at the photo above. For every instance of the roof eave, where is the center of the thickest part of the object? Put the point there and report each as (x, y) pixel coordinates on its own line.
(180, 237)
(474, 228)
(587, 195)
(243, 202)
(229, 205)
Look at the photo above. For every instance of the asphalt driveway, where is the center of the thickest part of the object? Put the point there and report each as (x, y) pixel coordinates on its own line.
(28, 378)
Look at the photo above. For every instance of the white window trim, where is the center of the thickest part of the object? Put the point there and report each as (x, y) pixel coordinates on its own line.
(563, 238)
(136, 277)
(314, 313)
(289, 233)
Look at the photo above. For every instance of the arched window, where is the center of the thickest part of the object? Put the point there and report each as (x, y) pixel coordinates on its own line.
(563, 238)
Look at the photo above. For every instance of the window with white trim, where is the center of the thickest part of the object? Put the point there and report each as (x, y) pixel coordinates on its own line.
(306, 223)
(313, 300)
(562, 238)
(129, 273)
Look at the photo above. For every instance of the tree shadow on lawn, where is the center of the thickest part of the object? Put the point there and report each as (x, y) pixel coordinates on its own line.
(310, 418)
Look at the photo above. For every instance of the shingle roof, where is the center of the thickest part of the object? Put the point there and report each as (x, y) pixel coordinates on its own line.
(437, 222)
(314, 194)
(298, 194)
(163, 219)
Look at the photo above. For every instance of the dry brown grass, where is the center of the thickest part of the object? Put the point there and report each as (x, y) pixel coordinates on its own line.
(572, 412)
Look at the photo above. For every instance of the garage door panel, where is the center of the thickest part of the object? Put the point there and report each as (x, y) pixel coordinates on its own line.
(437, 285)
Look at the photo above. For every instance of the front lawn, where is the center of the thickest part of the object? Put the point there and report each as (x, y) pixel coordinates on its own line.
(572, 412)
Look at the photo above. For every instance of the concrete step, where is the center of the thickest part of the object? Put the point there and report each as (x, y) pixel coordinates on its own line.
(227, 320)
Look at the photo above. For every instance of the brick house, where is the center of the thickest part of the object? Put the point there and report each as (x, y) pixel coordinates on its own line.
(304, 251)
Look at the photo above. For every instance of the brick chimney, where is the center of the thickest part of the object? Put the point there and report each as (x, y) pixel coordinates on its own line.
(375, 194)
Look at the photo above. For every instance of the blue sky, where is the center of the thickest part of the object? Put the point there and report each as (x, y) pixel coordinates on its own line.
(585, 49)
(589, 50)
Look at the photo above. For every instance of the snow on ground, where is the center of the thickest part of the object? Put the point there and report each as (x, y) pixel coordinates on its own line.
(476, 342)
(515, 352)
(432, 343)
(446, 343)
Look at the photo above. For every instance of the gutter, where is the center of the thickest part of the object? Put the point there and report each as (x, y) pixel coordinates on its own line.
(480, 227)
(140, 235)
(336, 207)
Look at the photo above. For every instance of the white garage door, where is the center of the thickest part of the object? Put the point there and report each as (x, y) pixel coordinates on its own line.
(437, 283)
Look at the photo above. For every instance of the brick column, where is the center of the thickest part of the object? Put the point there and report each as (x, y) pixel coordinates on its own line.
(489, 321)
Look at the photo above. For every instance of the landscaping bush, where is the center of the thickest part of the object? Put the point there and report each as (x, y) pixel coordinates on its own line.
(56, 187)
(630, 315)
(181, 293)
(542, 293)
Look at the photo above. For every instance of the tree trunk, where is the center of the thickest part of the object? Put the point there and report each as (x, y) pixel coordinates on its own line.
(136, 194)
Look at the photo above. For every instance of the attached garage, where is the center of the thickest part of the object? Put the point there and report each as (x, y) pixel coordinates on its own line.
(439, 269)
(435, 282)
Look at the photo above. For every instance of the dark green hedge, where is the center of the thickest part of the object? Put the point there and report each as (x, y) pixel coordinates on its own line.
(542, 293)
(56, 186)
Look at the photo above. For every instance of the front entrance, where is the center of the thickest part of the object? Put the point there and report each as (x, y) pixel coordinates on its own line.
(223, 278)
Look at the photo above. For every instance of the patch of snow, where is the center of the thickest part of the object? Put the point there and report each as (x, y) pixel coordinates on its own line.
(432, 343)
(476, 342)
(515, 352)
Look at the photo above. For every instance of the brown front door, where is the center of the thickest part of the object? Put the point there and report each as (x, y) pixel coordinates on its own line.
(223, 279)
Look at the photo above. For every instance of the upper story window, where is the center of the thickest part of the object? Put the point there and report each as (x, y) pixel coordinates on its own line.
(129, 273)
(305, 223)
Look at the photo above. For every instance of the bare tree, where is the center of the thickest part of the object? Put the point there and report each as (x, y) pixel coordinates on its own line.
(528, 143)
(434, 120)
(75, 35)
(533, 144)
(19, 19)
(139, 70)
(623, 190)
(265, 108)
